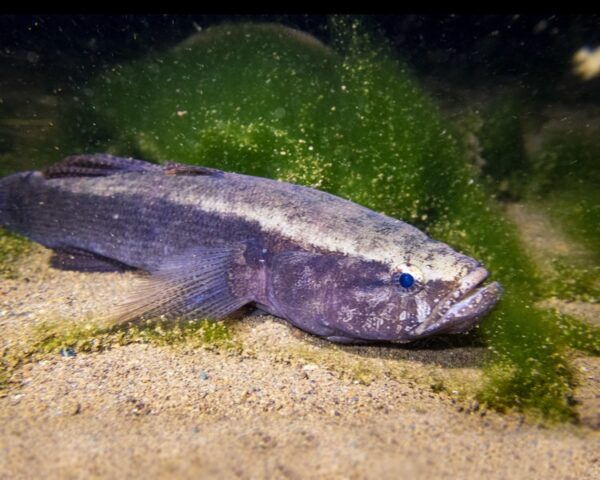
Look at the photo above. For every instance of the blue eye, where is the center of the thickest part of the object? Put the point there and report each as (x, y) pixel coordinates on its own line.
(407, 283)
(406, 280)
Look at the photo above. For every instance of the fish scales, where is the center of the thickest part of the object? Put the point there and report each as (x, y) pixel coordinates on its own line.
(307, 217)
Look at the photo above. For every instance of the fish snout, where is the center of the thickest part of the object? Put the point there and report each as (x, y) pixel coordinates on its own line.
(462, 308)
(465, 314)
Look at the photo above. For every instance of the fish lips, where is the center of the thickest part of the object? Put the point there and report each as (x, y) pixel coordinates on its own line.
(463, 308)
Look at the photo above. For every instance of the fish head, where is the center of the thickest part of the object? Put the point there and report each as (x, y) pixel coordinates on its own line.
(352, 299)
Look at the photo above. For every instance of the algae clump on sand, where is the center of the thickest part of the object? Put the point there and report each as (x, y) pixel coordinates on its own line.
(12, 247)
(350, 119)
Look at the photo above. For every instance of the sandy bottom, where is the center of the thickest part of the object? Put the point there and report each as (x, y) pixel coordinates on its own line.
(283, 405)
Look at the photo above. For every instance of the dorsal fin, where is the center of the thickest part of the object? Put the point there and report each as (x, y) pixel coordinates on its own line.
(172, 168)
(97, 165)
(103, 165)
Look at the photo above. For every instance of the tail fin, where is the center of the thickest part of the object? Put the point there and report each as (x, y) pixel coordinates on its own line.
(10, 187)
(4, 192)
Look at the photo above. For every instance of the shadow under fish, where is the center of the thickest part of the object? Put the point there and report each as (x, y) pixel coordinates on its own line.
(211, 242)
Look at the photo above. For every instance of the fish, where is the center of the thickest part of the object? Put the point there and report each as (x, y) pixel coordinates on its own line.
(208, 242)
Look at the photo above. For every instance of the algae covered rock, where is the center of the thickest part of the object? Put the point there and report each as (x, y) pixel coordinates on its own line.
(348, 118)
(269, 100)
(249, 98)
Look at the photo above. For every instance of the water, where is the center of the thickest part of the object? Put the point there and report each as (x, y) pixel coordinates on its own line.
(468, 127)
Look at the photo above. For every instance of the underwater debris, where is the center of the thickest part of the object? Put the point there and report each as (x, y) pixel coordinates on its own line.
(67, 352)
(586, 63)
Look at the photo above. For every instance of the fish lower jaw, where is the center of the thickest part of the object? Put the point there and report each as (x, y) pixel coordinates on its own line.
(461, 316)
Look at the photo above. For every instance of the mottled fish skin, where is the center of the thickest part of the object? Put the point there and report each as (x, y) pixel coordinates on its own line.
(325, 264)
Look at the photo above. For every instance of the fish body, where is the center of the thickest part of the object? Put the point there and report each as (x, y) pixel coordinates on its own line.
(214, 241)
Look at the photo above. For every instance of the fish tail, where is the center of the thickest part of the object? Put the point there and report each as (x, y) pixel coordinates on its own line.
(12, 187)
(4, 194)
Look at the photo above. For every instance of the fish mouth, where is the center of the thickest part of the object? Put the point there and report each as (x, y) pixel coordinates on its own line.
(460, 310)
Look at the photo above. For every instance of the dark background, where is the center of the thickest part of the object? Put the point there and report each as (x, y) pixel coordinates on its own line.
(534, 49)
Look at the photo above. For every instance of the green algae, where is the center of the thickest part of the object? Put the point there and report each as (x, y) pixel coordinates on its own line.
(501, 140)
(566, 180)
(12, 248)
(560, 178)
(93, 338)
(529, 354)
(53, 337)
(579, 335)
(573, 280)
(350, 119)
(10, 163)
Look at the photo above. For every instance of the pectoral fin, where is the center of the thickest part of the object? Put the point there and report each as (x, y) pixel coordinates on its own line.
(196, 283)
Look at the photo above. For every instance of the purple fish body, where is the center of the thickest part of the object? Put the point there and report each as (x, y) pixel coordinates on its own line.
(213, 242)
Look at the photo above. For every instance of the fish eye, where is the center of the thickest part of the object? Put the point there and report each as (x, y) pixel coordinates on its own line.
(406, 282)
